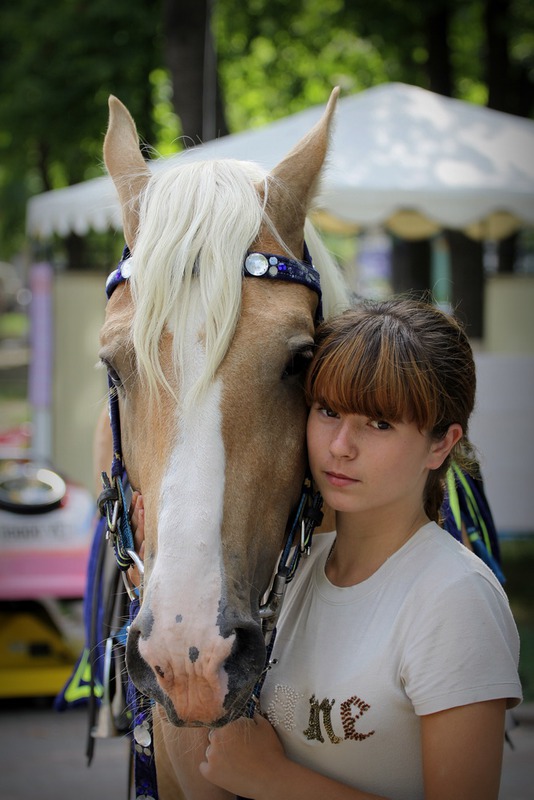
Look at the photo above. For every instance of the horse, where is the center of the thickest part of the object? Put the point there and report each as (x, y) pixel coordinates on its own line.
(206, 337)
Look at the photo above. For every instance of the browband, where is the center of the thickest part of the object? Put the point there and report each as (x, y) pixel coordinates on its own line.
(256, 265)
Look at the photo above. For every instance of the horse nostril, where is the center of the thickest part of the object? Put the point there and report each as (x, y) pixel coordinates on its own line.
(246, 661)
(248, 636)
(139, 670)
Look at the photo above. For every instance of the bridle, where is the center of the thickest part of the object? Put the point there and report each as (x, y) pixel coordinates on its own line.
(112, 500)
(113, 505)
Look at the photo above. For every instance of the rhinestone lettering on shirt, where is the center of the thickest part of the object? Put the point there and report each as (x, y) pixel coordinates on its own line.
(313, 731)
(282, 711)
(284, 698)
(348, 719)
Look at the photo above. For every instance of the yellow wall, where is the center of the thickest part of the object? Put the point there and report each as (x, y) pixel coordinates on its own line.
(501, 427)
(509, 314)
(79, 389)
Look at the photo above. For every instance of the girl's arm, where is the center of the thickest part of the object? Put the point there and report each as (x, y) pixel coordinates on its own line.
(462, 754)
(462, 751)
(247, 759)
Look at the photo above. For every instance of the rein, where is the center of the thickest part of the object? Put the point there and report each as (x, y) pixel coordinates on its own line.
(113, 506)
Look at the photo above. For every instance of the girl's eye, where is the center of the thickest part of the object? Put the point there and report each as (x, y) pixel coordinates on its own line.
(380, 424)
(326, 411)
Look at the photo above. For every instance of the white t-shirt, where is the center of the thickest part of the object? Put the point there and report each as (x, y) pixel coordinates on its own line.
(356, 666)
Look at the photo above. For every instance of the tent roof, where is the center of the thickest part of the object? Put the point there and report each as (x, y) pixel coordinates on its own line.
(401, 156)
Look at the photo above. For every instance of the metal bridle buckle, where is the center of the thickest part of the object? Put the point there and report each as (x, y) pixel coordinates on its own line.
(112, 523)
(305, 540)
(137, 562)
(109, 494)
(270, 611)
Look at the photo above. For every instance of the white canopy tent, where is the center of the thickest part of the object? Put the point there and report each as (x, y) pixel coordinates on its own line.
(401, 157)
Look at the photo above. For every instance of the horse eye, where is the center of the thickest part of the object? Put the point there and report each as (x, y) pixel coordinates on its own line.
(113, 375)
(298, 363)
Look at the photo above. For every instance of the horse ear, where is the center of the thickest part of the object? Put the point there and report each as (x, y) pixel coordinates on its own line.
(293, 183)
(125, 165)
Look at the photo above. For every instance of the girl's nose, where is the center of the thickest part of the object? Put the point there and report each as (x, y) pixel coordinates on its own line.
(343, 442)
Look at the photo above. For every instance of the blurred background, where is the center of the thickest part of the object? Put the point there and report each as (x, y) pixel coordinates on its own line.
(417, 76)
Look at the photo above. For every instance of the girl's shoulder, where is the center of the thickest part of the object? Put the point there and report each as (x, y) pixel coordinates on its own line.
(454, 626)
(436, 549)
(444, 571)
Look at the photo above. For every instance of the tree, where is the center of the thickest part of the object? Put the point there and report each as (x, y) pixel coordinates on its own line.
(191, 58)
(60, 63)
(173, 62)
(278, 57)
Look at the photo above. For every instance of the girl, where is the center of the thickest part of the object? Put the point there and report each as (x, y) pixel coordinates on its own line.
(396, 655)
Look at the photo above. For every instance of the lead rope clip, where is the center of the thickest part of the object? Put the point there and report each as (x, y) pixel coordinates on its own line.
(305, 541)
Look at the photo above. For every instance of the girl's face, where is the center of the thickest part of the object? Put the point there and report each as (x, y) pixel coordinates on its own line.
(360, 464)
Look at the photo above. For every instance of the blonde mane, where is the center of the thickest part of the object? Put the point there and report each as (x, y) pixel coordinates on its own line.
(197, 221)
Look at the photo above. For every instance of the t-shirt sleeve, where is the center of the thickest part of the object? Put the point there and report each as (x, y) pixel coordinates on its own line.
(462, 647)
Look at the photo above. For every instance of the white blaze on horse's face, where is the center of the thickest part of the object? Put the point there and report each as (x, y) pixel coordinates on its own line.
(219, 493)
(184, 592)
(219, 478)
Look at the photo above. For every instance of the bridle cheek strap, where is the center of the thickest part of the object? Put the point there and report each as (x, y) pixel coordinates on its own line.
(112, 499)
(308, 516)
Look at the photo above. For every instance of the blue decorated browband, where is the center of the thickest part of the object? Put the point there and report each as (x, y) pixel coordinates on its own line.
(256, 265)
(121, 273)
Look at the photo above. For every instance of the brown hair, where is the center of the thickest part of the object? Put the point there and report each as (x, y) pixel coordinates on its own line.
(399, 360)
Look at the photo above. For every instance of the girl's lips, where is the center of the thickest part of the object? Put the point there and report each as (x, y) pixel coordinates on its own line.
(338, 479)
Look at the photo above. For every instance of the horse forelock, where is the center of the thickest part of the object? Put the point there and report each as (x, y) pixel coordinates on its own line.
(197, 221)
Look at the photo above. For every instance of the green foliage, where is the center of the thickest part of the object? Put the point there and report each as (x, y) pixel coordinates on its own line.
(467, 43)
(283, 57)
(165, 122)
(61, 60)
(280, 56)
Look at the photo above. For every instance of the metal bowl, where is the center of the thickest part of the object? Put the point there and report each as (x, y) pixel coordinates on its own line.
(29, 488)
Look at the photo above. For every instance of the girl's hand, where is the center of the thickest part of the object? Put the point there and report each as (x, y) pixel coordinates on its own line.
(241, 756)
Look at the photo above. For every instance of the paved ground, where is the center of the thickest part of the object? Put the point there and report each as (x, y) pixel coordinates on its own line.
(42, 758)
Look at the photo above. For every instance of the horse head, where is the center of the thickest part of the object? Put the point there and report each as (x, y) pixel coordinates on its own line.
(207, 366)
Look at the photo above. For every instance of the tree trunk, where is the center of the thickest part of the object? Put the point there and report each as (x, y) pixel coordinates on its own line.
(466, 255)
(498, 76)
(507, 253)
(191, 58)
(467, 273)
(410, 262)
(76, 247)
(438, 65)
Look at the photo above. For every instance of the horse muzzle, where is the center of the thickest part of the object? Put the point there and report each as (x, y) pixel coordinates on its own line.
(202, 677)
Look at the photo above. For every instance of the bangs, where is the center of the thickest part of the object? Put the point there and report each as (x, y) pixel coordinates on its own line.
(374, 371)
